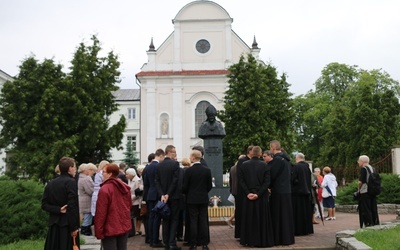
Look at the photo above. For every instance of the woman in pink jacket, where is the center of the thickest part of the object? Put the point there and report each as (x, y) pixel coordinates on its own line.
(112, 220)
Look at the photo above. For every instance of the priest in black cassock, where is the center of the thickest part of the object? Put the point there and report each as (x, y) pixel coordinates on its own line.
(256, 224)
(301, 197)
(240, 196)
(281, 197)
(60, 200)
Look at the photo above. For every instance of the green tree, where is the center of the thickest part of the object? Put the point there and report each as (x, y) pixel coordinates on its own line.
(335, 79)
(130, 154)
(373, 117)
(92, 81)
(46, 113)
(257, 108)
(310, 111)
(352, 112)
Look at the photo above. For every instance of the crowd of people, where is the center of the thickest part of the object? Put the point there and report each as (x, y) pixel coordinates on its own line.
(112, 202)
(275, 200)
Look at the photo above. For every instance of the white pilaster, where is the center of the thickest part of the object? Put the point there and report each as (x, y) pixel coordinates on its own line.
(177, 106)
(177, 65)
(396, 159)
(151, 119)
(228, 47)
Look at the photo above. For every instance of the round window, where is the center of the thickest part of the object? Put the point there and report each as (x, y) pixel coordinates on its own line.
(203, 46)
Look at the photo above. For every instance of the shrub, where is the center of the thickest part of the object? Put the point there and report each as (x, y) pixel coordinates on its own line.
(344, 195)
(22, 217)
(390, 191)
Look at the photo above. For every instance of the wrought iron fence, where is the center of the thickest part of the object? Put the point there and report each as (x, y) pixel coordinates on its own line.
(348, 174)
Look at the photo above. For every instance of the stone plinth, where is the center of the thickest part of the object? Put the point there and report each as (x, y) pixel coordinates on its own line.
(213, 156)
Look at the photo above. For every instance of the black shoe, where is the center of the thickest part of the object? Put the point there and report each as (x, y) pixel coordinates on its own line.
(186, 244)
(174, 248)
(179, 239)
(193, 248)
(86, 231)
(205, 247)
(157, 245)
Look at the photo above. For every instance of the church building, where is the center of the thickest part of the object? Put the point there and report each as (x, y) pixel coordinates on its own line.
(186, 74)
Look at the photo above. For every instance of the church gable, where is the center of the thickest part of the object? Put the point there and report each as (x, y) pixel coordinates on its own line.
(202, 40)
(202, 10)
(239, 47)
(185, 74)
(164, 55)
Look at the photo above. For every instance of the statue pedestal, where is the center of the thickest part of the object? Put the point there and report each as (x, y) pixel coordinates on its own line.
(213, 156)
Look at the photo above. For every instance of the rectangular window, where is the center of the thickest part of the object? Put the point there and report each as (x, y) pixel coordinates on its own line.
(131, 114)
(132, 139)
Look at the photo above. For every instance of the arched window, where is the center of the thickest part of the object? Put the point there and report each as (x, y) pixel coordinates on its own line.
(200, 115)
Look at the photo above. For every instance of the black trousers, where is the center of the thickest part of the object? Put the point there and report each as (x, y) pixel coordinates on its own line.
(118, 242)
(170, 225)
(368, 210)
(181, 218)
(199, 228)
(153, 224)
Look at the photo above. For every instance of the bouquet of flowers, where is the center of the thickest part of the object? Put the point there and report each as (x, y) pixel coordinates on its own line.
(214, 200)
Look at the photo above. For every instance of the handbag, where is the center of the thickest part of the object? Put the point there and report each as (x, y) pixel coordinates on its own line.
(75, 246)
(162, 209)
(143, 210)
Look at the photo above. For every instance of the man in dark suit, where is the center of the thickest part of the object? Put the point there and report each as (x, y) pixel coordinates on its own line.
(145, 220)
(187, 221)
(166, 181)
(151, 199)
(197, 183)
(60, 200)
(201, 149)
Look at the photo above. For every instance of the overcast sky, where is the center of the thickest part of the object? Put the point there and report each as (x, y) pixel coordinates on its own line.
(298, 37)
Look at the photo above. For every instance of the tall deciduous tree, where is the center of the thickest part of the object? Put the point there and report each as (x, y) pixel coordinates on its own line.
(310, 111)
(257, 108)
(372, 117)
(352, 112)
(335, 79)
(47, 114)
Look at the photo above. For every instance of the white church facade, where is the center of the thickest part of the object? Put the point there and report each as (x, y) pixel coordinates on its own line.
(181, 78)
(186, 74)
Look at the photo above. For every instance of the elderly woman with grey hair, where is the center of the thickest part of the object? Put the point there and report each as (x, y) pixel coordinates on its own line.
(136, 195)
(85, 192)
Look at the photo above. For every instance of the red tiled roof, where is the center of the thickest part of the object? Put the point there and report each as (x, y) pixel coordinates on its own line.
(183, 72)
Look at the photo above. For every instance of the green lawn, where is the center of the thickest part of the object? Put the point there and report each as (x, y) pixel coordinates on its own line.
(25, 245)
(380, 239)
(29, 245)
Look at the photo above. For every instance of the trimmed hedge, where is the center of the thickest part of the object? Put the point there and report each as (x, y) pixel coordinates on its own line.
(22, 217)
(390, 191)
